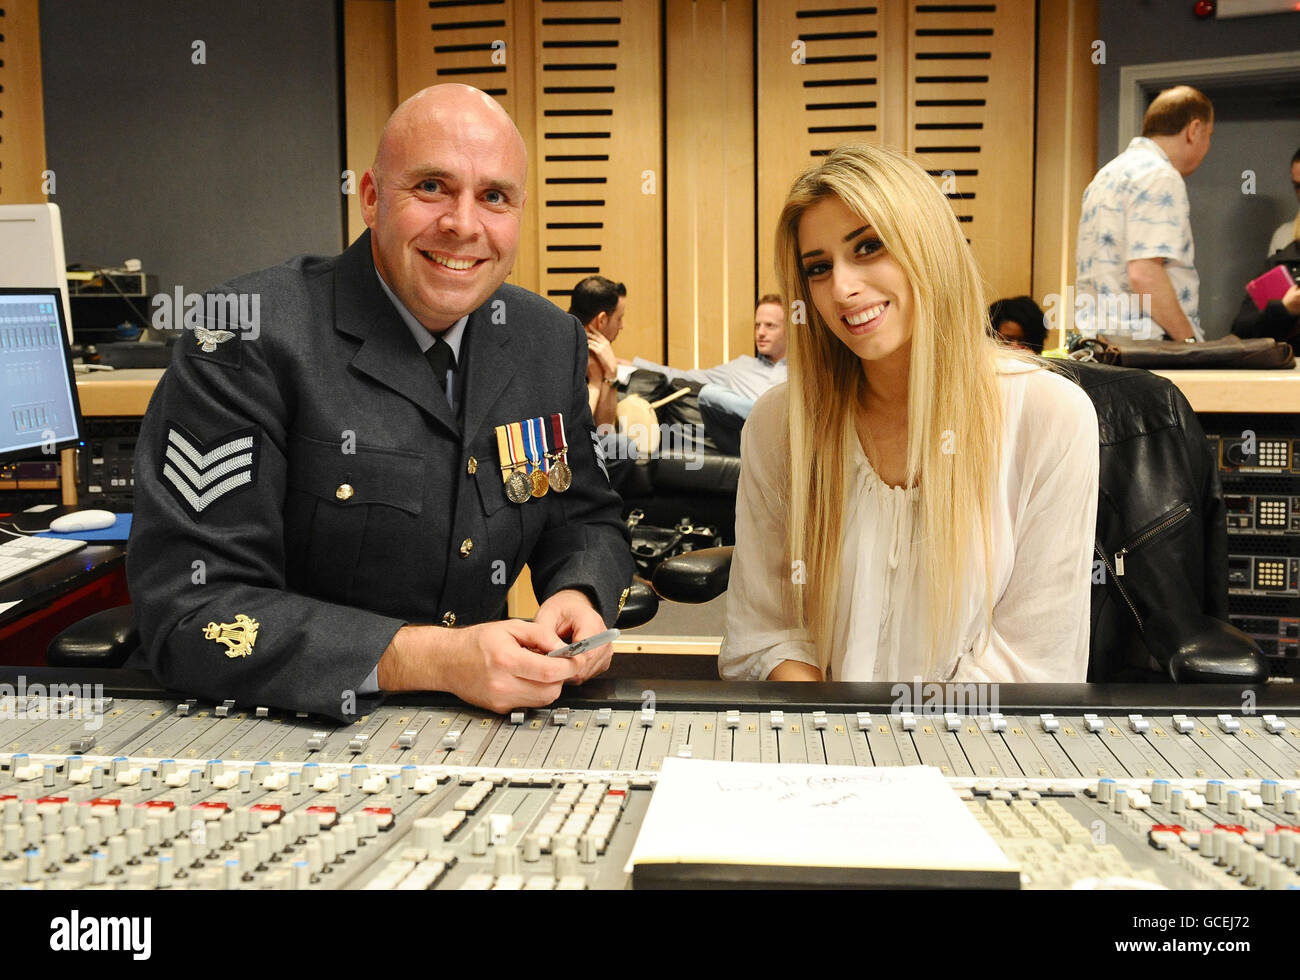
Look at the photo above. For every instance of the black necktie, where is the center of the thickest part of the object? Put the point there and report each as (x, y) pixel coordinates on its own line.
(442, 359)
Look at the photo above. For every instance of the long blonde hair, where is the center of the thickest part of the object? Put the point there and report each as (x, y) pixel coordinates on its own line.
(954, 408)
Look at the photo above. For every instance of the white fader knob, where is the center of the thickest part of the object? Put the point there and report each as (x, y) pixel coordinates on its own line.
(428, 833)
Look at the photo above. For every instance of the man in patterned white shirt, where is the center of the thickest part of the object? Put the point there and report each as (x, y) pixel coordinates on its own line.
(1136, 275)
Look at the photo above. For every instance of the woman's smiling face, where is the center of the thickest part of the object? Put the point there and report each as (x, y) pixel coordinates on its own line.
(860, 290)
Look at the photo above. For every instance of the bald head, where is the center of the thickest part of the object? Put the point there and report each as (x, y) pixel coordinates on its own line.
(443, 201)
(441, 106)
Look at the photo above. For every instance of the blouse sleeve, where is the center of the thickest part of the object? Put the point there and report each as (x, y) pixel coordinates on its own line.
(1041, 621)
(760, 629)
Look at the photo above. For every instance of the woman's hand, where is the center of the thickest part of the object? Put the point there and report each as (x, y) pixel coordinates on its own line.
(1292, 300)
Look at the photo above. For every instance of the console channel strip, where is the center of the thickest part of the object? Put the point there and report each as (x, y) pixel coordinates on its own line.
(1101, 790)
(1258, 459)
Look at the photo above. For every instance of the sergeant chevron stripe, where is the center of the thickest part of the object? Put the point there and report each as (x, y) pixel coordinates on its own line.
(199, 474)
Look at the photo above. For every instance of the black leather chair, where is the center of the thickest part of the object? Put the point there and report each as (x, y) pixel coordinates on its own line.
(688, 476)
(107, 638)
(1130, 634)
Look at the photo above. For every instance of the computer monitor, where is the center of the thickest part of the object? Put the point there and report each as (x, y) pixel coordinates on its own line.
(31, 249)
(39, 410)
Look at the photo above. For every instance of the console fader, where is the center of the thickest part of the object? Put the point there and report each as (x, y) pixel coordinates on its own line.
(1093, 786)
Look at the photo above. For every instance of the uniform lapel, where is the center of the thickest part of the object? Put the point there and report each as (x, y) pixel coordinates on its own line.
(388, 353)
(490, 366)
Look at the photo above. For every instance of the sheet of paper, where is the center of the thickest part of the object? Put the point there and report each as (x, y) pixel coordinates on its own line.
(749, 813)
(6, 606)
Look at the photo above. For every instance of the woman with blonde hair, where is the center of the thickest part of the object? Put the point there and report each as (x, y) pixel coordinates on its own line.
(917, 501)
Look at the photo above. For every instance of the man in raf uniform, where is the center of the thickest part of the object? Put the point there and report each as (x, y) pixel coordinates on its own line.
(311, 490)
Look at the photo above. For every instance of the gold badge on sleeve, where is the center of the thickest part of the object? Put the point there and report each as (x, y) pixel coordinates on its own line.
(238, 636)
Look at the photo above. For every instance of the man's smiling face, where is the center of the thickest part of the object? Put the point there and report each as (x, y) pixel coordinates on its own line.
(444, 202)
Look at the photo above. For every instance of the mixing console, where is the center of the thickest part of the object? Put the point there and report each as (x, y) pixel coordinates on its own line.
(1089, 786)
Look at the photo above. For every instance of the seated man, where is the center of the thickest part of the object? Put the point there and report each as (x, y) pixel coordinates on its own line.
(731, 389)
(320, 500)
(600, 305)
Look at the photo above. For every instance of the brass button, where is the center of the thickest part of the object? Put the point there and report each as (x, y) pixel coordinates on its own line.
(344, 492)
(466, 547)
(473, 466)
(449, 619)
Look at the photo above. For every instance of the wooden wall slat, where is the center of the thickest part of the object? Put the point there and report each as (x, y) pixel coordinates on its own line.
(22, 113)
(596, 124)
(989, 147)
(786, 89)
(370, 87)
(1067, 140)
(710, 186)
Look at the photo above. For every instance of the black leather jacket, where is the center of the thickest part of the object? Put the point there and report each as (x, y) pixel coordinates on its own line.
(1161, 532)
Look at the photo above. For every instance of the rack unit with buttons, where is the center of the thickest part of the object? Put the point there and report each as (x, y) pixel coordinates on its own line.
(1258, 457)
(1173, 788)
(106, 464)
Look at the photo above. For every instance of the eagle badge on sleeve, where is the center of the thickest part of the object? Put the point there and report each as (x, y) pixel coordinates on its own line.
(209, 339)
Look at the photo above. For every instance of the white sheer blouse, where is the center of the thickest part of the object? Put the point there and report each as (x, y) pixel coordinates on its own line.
(1043, 526)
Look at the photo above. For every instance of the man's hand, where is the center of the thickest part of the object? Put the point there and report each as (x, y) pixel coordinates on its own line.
(570, 614)
(603, 351)
(498, 666)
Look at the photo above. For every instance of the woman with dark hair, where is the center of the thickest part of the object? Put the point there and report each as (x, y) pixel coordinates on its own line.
(1019, 323)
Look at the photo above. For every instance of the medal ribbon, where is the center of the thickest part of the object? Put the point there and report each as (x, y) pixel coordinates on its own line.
(517, 451)
(503, 451)
(557, 436)
(539, 440)
(530, 444)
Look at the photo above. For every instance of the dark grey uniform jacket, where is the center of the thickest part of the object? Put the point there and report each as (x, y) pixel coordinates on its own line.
(316, 481)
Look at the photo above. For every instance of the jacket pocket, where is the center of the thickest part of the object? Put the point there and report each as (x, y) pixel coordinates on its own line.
(491, 489)
(332, 498)
(389, 477)
(1162, 525)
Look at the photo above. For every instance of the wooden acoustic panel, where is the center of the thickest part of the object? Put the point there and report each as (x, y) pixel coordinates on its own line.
(822, 65)
(597, 156)
(1067, 143)
(710, 182)
(970, 122)
(22, 115)
(369, 86)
